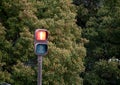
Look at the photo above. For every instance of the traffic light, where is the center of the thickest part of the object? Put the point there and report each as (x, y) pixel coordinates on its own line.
(40, 42)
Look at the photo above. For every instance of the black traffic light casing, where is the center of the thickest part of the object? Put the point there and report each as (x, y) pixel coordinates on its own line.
(40, 42)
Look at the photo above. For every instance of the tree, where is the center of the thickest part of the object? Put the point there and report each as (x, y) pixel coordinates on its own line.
(19, 19)
(101, 27)
(103, 73)
(64, 60)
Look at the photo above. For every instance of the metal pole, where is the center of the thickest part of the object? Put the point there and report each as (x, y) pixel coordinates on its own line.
(39, 70)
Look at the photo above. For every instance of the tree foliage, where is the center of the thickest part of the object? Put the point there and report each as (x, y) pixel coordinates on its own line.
(103, 73)
(101, 26)
(18, 21)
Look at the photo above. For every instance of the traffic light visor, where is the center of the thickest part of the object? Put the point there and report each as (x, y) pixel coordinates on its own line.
(41, 35)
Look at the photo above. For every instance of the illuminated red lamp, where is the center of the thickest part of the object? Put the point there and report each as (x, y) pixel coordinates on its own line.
(41, 35)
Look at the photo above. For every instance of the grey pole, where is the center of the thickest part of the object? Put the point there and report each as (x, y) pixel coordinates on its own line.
(39, 70)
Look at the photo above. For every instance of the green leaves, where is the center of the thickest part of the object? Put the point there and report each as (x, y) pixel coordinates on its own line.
(100, 23)
(19, 19)
(104, 72)
(22, 73)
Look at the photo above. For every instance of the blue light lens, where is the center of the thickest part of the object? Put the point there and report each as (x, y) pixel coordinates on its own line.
(41, 49)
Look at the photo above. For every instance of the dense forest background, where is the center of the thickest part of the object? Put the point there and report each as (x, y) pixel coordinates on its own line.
(84, 41)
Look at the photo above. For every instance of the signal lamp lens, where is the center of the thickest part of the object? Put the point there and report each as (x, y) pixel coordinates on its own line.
(41, 49)
(41, 35)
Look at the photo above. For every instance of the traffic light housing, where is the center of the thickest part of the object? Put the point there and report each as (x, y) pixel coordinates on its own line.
(40, 42)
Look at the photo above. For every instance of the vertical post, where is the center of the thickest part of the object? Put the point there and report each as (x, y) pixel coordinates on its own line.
(39, 70)
(40, 48)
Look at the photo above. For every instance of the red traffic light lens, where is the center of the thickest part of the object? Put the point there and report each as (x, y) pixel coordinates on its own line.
(41, 35)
